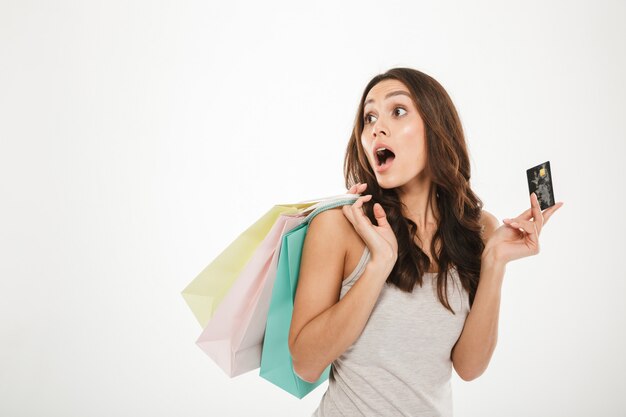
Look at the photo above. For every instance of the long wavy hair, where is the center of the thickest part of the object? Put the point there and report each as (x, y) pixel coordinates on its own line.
(458, 231)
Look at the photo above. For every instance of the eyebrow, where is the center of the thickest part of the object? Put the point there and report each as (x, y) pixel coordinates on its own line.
(393, 93)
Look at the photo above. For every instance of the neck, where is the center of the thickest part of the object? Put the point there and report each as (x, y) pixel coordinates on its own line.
(419, 206)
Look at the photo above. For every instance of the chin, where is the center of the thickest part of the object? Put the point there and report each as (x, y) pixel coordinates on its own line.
(388, 184)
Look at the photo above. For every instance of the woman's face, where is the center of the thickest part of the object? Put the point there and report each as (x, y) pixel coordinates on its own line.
(391, 120)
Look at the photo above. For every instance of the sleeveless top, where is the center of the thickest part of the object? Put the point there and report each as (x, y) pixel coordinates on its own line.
(400, 364)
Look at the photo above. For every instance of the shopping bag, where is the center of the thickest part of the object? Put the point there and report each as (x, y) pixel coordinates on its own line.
(276, 363)
(233, 337)
(208, 289)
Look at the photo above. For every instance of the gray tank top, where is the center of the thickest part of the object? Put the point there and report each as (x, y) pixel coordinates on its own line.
(400, 365)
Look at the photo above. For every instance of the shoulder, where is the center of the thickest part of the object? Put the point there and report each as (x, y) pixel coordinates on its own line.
(332, 227)
(489, 223)
(332, 221)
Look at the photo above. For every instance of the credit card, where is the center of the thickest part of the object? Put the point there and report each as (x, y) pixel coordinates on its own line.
(540, 182)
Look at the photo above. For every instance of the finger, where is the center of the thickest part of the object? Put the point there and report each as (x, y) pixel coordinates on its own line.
(536, 210)
(361, 200)
(381, 216)
(362, 220)
(357, 188)
(348, 213)
(531, 212)
(362, 224)
(529, 231)
(550, 211)
(527, 214)
(354, 212)
(357, 211)
(527, 227)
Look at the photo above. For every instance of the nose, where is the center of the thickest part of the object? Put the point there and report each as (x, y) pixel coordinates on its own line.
(378, 129)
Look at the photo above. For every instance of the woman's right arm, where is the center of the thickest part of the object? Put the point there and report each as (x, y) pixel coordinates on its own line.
(323, 326)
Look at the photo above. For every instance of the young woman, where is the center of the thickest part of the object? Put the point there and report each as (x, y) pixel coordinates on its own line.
(404, 284)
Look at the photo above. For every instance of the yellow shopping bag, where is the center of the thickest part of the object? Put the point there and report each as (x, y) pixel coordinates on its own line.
(209, 288)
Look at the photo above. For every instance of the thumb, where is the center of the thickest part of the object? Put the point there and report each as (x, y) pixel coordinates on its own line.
(381, 216)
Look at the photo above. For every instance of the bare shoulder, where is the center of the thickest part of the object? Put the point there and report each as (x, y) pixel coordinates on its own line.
(332, 219)
(332, 225)
(490, 224)
(327, 232)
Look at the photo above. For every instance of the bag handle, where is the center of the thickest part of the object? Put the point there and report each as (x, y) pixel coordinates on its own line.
(319, 202)
(323, 199)
(332, 202)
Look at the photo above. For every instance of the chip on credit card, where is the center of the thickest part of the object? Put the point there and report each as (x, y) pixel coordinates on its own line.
(540, 182)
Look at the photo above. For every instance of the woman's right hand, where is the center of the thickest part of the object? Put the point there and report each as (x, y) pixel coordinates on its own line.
(380, 239)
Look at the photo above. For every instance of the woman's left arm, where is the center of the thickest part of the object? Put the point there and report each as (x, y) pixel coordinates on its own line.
(517, 238)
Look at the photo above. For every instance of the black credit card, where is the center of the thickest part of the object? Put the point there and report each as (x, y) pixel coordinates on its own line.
(540, 182)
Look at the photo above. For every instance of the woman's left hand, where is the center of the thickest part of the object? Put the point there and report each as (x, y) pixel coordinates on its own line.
(519, 237)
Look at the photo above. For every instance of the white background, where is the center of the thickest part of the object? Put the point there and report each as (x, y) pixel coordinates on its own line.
(138, 139)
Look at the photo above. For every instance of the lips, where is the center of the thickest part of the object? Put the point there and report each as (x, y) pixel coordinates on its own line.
(383, 156)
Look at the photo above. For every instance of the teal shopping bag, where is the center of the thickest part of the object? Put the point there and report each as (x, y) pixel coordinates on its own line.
(276, 364)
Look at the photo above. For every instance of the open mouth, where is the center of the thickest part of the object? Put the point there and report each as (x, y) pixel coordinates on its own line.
(384, 157)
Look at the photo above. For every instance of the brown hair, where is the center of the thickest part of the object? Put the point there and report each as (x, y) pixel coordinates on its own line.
(459, 231)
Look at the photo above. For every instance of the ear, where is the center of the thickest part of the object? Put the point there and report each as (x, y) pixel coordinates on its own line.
(490, 224)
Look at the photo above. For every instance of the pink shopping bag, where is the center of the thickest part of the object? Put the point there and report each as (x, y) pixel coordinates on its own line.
(233, 337)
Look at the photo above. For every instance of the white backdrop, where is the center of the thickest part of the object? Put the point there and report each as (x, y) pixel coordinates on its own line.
(138, 139)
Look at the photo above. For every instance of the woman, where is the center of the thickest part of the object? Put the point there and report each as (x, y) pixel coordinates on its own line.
(404, 284)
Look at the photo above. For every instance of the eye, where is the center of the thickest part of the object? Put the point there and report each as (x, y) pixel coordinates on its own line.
(399, 108)
(366, 118)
